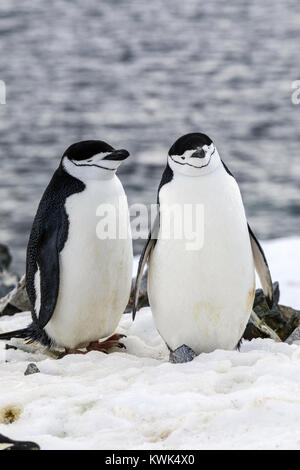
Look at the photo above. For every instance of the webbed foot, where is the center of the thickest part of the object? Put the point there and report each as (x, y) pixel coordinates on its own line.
(109, 343)
(102, 346)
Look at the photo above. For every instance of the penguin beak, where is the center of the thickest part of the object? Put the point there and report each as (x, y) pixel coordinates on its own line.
(199, 154)
(117, 155)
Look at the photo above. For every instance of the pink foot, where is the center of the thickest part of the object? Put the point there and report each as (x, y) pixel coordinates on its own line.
(109, 343)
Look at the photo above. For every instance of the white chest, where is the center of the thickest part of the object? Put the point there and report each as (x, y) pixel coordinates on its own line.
(203, 297)
(95, 273)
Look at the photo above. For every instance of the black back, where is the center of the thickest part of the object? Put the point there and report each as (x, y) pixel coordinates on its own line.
(167, 176)
(48, 236)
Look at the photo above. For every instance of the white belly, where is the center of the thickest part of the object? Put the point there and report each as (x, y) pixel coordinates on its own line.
(95, 274)
(203, 298)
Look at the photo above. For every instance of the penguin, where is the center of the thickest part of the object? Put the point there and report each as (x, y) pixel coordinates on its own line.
(10, 444)
(201, 299)
(79, 283)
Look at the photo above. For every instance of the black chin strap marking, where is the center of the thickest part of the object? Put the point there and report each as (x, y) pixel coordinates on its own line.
(98, 166)
(198, 167)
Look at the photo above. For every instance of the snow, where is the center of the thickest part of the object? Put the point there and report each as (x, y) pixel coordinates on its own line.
(283, 256)
(136, 399)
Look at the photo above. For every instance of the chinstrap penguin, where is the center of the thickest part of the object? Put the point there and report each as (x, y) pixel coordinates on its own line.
(10, 444)
(77, 283)
(201, 299)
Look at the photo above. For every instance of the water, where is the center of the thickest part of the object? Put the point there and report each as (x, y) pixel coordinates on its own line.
(139, 74)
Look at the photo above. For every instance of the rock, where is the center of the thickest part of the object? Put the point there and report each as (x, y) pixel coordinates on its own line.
(7, 279)
(252, 332)
(260, 296)
(10, 346)
(32, 369)
(295, 336)
(16, 300)
(5, 257)
(290, 315)
(263, 327)
(272, 317)
(280, 319)
(9, 444)
(7, 282)
(283, 320)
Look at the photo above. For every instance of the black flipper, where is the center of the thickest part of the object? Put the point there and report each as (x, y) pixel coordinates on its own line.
(48, 236)
(142, 262)
(262, 268)
(15, 334)
(167, 176)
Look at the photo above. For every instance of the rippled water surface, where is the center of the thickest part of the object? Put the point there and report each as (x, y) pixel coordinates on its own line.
(139, 74)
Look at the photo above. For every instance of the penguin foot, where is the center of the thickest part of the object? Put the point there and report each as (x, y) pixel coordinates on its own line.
(109, 343)
(102, 346)
(72, 351)
(182, 354)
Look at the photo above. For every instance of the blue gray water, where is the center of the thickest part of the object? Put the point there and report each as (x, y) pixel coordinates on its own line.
(139, 74)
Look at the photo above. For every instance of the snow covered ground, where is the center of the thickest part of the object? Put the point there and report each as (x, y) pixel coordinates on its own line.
(135, 399)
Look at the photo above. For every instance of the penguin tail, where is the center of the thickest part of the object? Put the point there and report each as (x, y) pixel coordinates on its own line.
(33, 333)
(15, 334)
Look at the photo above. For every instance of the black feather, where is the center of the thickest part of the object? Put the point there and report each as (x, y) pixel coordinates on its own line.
(23, 333)
(47, 239)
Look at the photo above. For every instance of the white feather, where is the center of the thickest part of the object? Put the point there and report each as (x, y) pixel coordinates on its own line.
(95, 275)
(204, 298)
(262, 269)
(37, 288)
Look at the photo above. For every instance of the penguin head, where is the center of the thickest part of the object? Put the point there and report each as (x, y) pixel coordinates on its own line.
(92, 159)
(193, 155)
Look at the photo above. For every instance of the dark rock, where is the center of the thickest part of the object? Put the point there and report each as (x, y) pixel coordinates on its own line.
(7, 282)
(281, 319)
(182, 354)
(10, 310)
(9, 444)
(31, 369)
(252, 332)
(10, 346)
(289, 314)
(295, 336)
(260, 297)
(16, 300)
(5, 257)
(7, 279)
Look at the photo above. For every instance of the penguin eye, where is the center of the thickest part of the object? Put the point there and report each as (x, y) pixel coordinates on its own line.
(182, 158)
(89, 161)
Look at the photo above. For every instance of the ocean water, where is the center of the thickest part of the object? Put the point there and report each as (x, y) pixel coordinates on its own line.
(139, 74)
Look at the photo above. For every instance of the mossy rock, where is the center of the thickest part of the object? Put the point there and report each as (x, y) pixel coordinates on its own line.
(282, 319)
